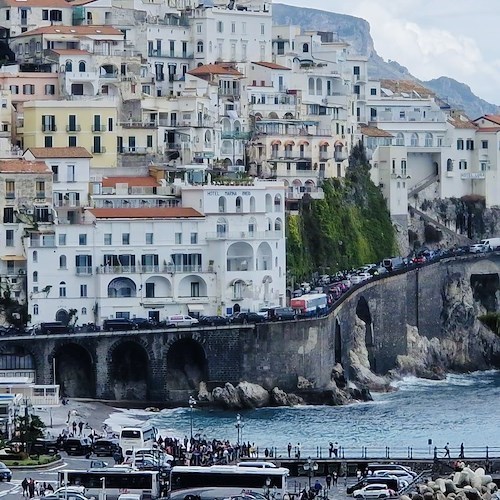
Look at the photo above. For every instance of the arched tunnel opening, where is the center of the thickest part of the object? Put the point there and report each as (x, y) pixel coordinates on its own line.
(363, 313)
(74, 372)
(338, 342)
(186, 365)
(129, 372)
(484, 290)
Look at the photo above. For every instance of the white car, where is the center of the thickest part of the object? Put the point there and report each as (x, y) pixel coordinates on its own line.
(478, 248)
(404, 478)
(373, 491)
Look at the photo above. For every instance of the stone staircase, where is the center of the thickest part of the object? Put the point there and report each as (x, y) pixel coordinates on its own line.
(424, 183)
(464, 240)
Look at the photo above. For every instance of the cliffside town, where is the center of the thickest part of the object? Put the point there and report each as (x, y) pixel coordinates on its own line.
(150, 152)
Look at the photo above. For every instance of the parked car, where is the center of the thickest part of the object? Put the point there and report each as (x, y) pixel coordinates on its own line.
(404, 478)
(118, 325)
(143, 323)
(53, 327)
(478, 248)
(106, 447)
(242, 318)
(373, 491)
(281, 314)
(78, 446)
(419, 259)
(45, 446)
(181, 320)
(213, 320)
(5, 473)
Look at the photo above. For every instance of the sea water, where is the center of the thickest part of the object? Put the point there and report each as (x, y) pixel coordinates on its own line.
(418, 416)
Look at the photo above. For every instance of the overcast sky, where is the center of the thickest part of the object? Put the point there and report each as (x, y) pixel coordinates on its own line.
(455, 38)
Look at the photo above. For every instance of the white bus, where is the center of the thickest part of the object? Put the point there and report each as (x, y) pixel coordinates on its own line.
(133, 438)
(113, 481)
(310, 304)
(223, 481)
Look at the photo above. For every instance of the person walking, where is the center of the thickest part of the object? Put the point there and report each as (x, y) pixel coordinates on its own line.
(336, 449)
(335, 478)
(24, 486)
(462, 451)
(447, 450)
(298, 450)
(330, 450)
(289, 448)
(328, 480)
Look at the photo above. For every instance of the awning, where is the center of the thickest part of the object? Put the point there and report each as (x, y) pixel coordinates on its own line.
(276, 142)
(324, 143)
(303, 143)
(289, 143)
(196, 307)
(12, 257)
(338, 143)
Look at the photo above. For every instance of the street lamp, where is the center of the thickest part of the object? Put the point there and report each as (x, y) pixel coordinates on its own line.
(239, 428)
(192, 403)
(310, 467)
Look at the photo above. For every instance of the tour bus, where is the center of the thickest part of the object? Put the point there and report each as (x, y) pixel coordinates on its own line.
(133, 438)
(310, 304)
(223, 481)
(114, 481)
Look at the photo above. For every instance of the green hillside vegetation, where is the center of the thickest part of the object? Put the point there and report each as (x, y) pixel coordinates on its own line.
(351, 226)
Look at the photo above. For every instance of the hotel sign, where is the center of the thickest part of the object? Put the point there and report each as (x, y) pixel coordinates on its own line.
(473, 175)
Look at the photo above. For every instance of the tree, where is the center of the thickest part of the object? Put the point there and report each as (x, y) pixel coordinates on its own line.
(29, 429)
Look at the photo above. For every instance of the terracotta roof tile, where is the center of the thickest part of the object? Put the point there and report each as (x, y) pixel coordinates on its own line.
(76, 152)
(73, 30)
(36, 3)
(214, 69)
(370, 131)
(460, 123)
(20, 166)
(408, 86)
(271, 65)
(488, 129)
(145, 213)
(491, 118)
(131, 181)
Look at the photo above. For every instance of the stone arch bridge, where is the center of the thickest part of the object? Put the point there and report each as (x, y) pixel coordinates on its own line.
(168, 365)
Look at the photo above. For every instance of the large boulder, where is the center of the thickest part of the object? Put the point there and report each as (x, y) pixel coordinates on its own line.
(252, 395)
(227, 397)
(338, 376)
(294, 400)
(279, 397)
(204, 394)
(303, 383)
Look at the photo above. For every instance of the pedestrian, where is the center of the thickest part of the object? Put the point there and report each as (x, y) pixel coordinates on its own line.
(345, 478)
(298, 450)
(317, 487)
(462, 452)
(74, 427)
(447, 450)
(335, 478)
(328, 481)
(24, 486)
(266, 453)
(303, 495)
(31, 488)
(336, 449)
(330, 450)
(80, 427)
(358, 475)
(289, 448)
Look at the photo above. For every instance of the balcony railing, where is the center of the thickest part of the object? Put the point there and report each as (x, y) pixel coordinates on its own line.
(244, 235)
(84, 270)
(49, 127)
(73, 128)
(98, 128)
(135, 150)
(100, 150)
(152, 269)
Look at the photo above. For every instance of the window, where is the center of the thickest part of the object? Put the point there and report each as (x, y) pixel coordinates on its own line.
(178, 238)
(150, 290)
(9, 238)
(84, 311)
(40, 189)
(305, 47)
(460, 144)
(110, 124)
(262, 29)
(14, 89)
(239, 204)
(83, 290)
(462, 165)
(72, 141)
(233, 27)
(484, 144)
(35, 256)
(82, 239)
(35, 309)
(8, 215)
(403, 168)
(50, 89)
(48, 141)
(28, 89)
(49, 123)
(108, 239)
(220, 27)
(199, 47)
(149, 238)
(469, 145)
(195, 289)
(194, 238)
(373, 91)
(63, 262)
(222, 204)
(149, 141)
(70, 173)
(414, 140)
(62, 289)
(125, 238)
(62, 239)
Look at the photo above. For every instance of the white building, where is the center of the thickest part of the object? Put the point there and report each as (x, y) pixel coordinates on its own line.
(223, 250)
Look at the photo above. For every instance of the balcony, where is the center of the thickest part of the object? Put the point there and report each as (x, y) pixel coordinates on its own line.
(230, 93)
(73, 128)
(152, 269)
(40, 195)
(84, 270)
(238, 135)
(50, 127)
(170, 55)
(10, 195)
(67, 204)
(100, 150)
(98, 128)
(245, 235)
(340, 156)
(133, 150)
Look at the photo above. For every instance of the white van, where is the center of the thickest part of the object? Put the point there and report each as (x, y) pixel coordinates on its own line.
(491, 243)
(181, 320)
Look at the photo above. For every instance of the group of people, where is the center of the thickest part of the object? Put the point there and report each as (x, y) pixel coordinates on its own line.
(31, 488)
(317, 489)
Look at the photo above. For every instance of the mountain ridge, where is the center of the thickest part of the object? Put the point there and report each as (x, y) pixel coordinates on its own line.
(356, 32)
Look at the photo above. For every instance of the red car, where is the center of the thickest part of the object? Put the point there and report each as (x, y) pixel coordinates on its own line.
(418, 260)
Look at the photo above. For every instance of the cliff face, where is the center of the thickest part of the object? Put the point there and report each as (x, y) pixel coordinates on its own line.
(356, 32)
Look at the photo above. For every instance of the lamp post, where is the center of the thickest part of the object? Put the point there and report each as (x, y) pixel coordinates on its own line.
(239, 429)
(310, 467)
(192, 403)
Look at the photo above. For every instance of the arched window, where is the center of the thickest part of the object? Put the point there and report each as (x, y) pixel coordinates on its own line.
(208, 138)
(400, 139)
(414, 139)
(269, 224)
(222, 204)
(239, 204)
(62, 289)
(449, 165)
(305, 47)
(199, 47)
(221, 227)
(319, 86)
(84, 311)
(278, 224)
(62, 262)
(35, 256)
(428, 140)
(35, 276)
(311, 86)
(269, 203)
(82, 66)
(35, 309)
(277, 203)
(69, 66)
(252, 204)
